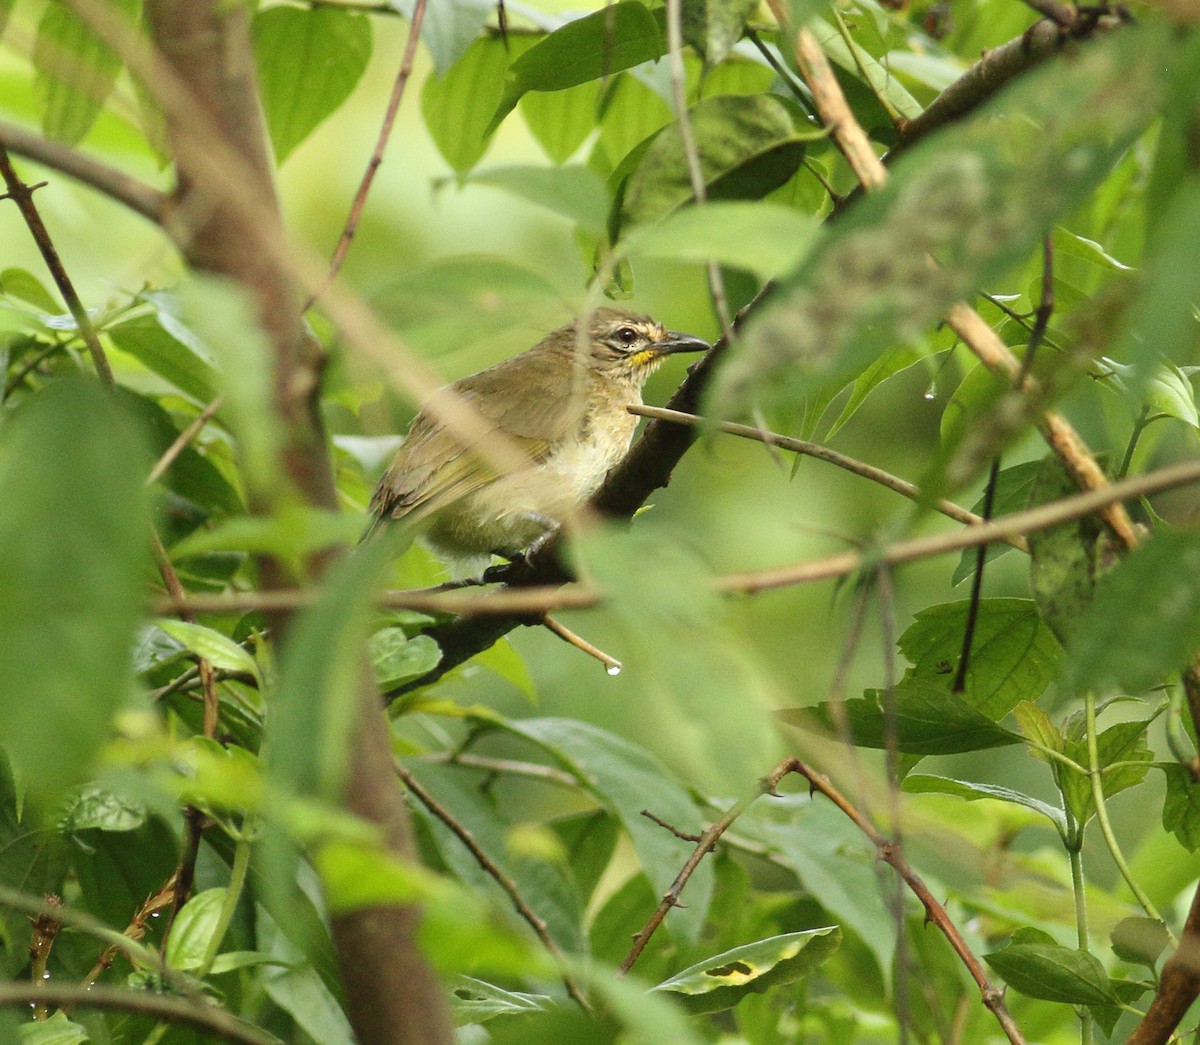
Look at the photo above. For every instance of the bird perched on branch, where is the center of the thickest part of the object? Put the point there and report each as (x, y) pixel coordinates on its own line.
(560, 409)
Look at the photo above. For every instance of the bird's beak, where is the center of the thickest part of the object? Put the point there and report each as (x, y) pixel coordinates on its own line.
(676, 342)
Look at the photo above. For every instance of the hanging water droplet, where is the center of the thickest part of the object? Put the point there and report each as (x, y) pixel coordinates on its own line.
(46, 975)
(931, 391)
(613, 669)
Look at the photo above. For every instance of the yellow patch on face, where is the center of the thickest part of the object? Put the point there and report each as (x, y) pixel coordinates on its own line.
(644, 358)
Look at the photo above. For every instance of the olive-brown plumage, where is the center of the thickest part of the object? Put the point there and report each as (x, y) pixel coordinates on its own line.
(561, 405)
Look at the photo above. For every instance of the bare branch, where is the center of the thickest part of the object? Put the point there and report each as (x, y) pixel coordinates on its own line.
(139, 197)
(494, 871)
(205, 1017)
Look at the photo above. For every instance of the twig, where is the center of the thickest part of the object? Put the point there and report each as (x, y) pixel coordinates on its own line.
(376, 160)
(168, 456)
(29, 366)
(139, 197)
(534, 920)
(548, 598)
(824, 453)
(45, 928)
(1062, 15)
(611, 664)
(22, 195)
(136, 929)
(934, 911)
(534, 770)
(1178, 985)
(207, 1017)
(684, 835)
(704, 845)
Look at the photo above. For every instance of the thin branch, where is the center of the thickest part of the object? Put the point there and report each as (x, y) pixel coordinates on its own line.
(376, 160)
(524, 602)
(533, 770)
(139, 197)
(934, 911)
(823, 453)
(611, 664)
(209, 1018)
(160, 901)
(531, 917)
(22, 195)
(45, 928)
(182, 441)
(704, 845)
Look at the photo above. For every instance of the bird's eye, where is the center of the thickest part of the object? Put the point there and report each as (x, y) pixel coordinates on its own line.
(627, 335)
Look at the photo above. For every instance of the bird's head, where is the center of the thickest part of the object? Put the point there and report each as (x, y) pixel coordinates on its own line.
(627, 344)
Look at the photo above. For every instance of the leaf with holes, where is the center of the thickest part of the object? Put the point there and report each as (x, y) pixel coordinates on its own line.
(723, 980)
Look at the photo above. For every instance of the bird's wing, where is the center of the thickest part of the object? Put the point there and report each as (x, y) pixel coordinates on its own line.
(433, 468)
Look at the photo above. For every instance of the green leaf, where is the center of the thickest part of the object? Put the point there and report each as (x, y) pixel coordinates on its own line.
(1124, 743)
(96, 807)
(398, 659)
(320, 675)
(835, 864)
(597, 45)
(923, 784)
(997, 184)
(1163, 320)
(475, 1001)
(714, 26)
(562, 120)
(502, 659)
(457, 105)
(1065, 560)
(231, 961)
(24, 286)
(188, 365)
(56, 1030)
(928, 720)
(573, 192)
(308, 63)
(890, 363)
(1181, 808)
(543, 884)
(720, 982)
(764, 238)
(1053, 973)
(193, 928)
(480, 306)
(1014, 655)
(857, 64)
(76, 69)
(219, 650)
(1163, 391)
(1144, 621)
(72, 540)
(747, 146)
(1140, 940)
(33, 859)
(627, 780)
(448, 29)
(1013, 488)
(222, 317)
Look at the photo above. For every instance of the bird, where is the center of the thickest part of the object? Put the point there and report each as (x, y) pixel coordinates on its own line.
(561, 405)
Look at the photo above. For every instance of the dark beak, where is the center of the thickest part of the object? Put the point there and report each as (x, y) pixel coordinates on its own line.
(676, 342)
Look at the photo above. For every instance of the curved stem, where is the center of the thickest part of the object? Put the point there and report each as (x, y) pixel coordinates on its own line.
(1096, 775)
(233, 893)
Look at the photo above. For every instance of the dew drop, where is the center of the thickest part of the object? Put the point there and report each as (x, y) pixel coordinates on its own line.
(931, 391)
(613, 669)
